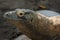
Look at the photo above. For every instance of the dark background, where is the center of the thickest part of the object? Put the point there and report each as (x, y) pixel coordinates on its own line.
(8, 31)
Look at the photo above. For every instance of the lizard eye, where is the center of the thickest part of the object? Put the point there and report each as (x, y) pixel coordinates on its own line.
(20, 14)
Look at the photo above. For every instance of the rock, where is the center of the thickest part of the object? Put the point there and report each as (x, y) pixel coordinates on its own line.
(22, 37)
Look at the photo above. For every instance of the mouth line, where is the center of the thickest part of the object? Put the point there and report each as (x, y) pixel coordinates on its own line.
(12, 19)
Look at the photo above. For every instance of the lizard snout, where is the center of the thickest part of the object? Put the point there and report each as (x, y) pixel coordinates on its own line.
(10, 15)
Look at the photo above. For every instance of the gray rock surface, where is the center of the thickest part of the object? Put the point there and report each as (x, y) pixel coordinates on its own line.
(22, 37)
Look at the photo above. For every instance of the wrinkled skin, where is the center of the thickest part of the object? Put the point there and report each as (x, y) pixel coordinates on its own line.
(33, 24)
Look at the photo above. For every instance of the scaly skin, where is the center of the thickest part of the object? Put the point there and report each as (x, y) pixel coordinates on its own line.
(33, 24)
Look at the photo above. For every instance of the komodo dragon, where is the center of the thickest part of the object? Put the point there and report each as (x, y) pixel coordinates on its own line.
(37, 25)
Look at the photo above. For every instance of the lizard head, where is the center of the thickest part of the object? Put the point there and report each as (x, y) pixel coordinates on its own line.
(34, 23)
(19, 15)
(22, 19)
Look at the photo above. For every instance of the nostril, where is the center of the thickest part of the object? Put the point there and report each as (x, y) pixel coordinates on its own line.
(6, 14)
